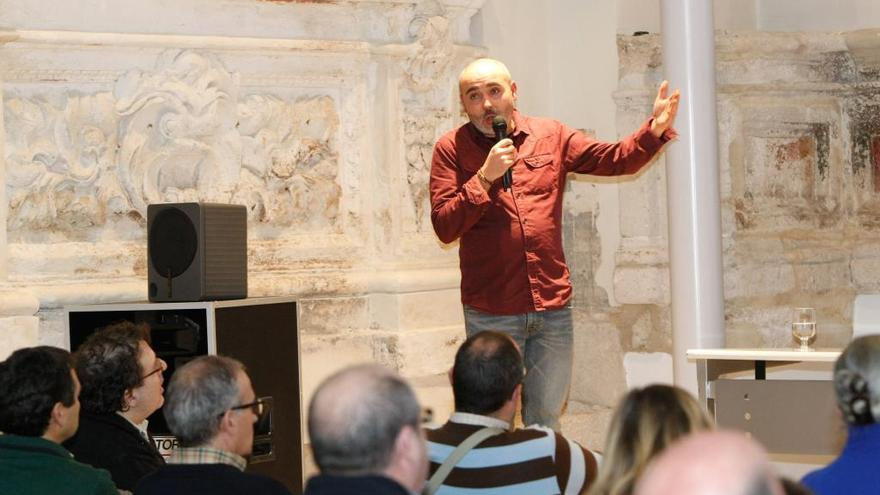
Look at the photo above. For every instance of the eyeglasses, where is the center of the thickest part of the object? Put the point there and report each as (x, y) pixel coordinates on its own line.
(160, 368)
(258, 407)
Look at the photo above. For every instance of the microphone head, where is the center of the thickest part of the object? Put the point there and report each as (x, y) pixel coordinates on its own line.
(499, 125)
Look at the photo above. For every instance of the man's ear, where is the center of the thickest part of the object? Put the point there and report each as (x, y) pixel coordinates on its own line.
(517, 393)
(407, 444)
(513, 90)
(226, 422)
(58, 417)
(128, 400)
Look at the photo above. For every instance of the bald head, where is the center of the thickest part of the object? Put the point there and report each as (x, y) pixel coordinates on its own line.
(356, 416)
(710, 463)
(483, 68)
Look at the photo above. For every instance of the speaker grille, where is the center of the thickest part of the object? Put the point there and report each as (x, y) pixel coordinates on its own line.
(225, 250)
(173, 242)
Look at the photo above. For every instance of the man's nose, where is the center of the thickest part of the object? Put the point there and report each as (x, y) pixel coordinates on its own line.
(487, 104)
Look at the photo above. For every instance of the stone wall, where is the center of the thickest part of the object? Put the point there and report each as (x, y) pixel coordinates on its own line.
(320, 117)
(799, 151)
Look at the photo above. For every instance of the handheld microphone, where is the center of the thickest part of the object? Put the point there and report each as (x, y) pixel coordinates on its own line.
(499, 125)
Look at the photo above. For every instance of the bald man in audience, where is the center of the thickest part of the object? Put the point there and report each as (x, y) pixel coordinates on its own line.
(365, 430)
(711, 463)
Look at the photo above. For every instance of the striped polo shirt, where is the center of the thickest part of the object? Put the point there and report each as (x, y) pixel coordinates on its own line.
(530, 461)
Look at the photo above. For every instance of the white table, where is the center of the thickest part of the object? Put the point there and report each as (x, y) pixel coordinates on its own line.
(787, 415)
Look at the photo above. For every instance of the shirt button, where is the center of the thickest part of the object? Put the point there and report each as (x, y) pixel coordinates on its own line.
(525, 221)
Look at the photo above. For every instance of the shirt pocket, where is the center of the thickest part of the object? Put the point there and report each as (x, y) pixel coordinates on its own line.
(539, 174)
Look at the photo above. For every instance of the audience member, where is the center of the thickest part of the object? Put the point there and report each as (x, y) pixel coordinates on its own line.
(646, 422)
(857, 385)
(366, 437)
(487, 385)
(792, 487)
(211, 408)
(121, 387)
(39, 409)
(710, 463)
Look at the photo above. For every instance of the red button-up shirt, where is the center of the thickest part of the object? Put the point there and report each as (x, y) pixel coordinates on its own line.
(510, 249)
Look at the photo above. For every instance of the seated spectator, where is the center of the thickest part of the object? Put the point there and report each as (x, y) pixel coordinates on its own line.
(366, 435)
(646, 421)
(39, 409)
(211, 408)
(487, 385)
(710, 463)
(857, 385)
(791, 487)
(121, 387)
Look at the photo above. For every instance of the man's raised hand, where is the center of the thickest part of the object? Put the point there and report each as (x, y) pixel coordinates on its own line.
(665, 109)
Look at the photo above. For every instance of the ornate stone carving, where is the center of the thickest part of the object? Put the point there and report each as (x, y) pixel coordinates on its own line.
(178, 140)
(177, 133)
(427, 84)
(289, 162)
(60, 162)
(430, 30)
(419, 136)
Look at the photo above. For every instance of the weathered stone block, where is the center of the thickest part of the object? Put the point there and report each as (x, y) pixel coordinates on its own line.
(333, 315)
(641, 284)
(17, 332)
(598, 374)
(865, 267)
(587, 424)
(647, 368)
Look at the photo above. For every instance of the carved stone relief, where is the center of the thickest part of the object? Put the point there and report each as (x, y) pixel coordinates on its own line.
(184, 131)
(425, 101)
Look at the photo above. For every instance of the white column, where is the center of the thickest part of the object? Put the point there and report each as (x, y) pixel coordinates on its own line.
(693, 195)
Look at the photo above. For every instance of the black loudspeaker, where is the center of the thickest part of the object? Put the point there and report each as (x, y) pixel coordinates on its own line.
(196, 252)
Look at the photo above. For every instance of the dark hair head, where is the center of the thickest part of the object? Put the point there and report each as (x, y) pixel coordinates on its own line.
(107, 365)
(32, 381)
(488, 367)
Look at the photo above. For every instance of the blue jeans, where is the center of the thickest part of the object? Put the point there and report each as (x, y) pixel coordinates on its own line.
(545, 339)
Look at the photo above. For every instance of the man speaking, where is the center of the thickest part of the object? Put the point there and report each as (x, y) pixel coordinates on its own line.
(513, 273)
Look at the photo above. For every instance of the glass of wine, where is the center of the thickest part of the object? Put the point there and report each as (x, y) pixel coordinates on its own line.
(803, 326)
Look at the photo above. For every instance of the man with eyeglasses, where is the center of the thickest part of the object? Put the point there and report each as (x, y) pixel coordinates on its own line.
(121, 387)
(211, 408)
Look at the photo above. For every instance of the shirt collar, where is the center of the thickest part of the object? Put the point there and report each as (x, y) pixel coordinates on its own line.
(464, 418)
(522, 125)
(206, 455)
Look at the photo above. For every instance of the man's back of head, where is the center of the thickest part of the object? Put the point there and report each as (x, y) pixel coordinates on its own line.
(364, 420)
(710, 463)
(38, 395)
(200, 395)
(488, 367)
